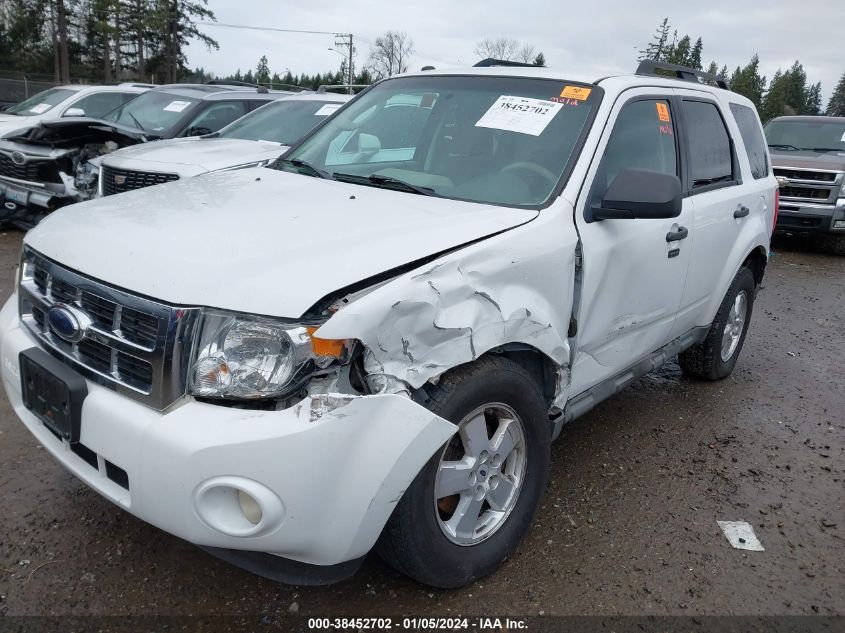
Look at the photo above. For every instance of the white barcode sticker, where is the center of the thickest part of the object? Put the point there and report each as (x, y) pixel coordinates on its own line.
(40, 108)
(520, 114)
(329, 108)
(176, 106)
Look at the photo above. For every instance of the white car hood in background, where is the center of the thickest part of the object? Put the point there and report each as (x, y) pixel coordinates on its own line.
(257, 240)
(191, 156)
(12, 123)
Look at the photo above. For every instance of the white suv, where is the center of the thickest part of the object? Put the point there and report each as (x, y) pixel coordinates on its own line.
(375, 342)
(67, 101)
(255, 139)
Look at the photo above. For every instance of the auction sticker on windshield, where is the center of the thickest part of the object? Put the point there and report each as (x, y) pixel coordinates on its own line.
(41, 108)
(520, 114)
(176, 106)
(328, 109)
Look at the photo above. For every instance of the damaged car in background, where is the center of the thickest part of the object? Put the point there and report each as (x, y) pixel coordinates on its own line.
(256, 139)
(372, 343)
(56, 163)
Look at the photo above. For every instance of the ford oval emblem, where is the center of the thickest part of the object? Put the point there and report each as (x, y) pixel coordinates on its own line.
(65, 324)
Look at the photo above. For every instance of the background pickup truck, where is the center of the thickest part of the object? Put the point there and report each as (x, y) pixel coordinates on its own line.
(808, 154)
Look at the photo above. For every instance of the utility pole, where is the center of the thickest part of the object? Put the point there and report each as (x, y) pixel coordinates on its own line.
(346, 40)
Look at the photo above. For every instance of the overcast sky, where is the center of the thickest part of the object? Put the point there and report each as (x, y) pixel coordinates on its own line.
(599, 36)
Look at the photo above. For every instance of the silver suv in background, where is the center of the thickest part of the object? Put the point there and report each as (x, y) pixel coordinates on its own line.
(808, 155)
(253, 140)
(67, 101)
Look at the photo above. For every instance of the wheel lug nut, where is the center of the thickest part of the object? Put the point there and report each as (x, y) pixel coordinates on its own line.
(484, 456)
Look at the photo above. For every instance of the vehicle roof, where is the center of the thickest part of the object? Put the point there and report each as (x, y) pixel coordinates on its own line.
(219, 91)
(318, 96)
(97, 88)
(620, 80)
(811, 118)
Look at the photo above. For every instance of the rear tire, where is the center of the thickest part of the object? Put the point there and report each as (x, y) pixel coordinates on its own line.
(715, 357)
(434, 537)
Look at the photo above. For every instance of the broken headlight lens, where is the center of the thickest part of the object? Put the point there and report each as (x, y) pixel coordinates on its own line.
(244, 357)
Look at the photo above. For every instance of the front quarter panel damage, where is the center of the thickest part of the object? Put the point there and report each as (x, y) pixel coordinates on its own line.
(513, 288)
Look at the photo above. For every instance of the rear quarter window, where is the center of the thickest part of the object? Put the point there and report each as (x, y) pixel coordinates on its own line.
(752, 137)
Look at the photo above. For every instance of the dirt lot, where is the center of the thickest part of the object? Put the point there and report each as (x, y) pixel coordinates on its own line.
(629, 520)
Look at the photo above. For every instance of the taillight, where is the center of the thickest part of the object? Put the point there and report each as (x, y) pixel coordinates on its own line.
(777, 208)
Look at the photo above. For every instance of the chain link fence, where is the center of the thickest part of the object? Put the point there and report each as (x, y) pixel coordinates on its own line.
(16, 86)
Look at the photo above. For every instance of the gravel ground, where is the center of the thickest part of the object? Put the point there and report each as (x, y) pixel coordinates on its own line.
(628, 525)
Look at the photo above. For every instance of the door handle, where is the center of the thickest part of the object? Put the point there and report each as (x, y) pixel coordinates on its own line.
(680, 234)
(741, 211)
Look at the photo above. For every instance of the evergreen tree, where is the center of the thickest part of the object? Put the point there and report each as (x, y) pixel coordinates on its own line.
(748, 82)
(540, 60)
(836, 105)
(262, 71)
(695, 55)
(814, 100)
(789, 94)
(657, 48)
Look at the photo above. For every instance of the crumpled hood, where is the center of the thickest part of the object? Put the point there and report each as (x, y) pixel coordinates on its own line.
(832, 161)
(77, 131)
(200, 154)
(11, 123)
(258, 240)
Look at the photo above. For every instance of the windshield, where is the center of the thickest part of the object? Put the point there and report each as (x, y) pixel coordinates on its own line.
(284, 121)
(808, 135)
(153, 111)
(501, 140)
(42, 102)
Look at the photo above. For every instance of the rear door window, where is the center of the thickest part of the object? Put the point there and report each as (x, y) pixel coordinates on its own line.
(752, 138)
(710, 157)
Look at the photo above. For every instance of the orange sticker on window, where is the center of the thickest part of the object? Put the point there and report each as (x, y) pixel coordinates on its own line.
(663, 112)
(576, 92)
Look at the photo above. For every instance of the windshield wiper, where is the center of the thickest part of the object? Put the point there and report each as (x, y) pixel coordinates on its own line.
(306, 167)
(138, 123)
(784, 146)
(386, 182)
(824, 149)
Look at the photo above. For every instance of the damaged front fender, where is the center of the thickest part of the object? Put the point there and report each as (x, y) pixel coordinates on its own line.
(513, 288)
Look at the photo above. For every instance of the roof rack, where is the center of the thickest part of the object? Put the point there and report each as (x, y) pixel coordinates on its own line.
(651, 68)
(490, 61)
(328, 87)
(235, 83)
(135, 84)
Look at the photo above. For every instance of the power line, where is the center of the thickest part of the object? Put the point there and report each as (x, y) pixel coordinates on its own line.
(267, 28)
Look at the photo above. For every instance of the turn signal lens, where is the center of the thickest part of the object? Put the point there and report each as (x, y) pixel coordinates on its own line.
(326, 347)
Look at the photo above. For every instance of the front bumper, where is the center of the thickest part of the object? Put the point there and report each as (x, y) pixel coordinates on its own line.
(327, 472)
(45, 198)
(796, 217)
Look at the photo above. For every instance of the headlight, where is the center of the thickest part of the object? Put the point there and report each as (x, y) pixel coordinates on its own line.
(245, 357)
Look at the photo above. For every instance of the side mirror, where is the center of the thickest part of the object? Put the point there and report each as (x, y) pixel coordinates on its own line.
(640, 193)
(368, 144)
(198, 131)
(74, 112)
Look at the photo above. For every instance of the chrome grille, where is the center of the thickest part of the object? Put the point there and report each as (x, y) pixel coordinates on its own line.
(120, 180)
(134, 345)
(815, 186)
(27, 171)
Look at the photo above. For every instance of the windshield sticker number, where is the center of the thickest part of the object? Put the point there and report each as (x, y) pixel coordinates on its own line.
(176, 106)
(328, 109)
(519, 114)
(662, 112)
(41, 108)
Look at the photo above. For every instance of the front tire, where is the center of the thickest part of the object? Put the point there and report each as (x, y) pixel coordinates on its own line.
(716, 356)
(471, 504)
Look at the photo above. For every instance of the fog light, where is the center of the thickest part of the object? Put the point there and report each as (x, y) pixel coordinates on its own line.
(839, 224)
(250, 508)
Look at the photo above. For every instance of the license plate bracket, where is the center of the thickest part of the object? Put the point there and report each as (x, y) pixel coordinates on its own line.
(53, 393)
(18, 196)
